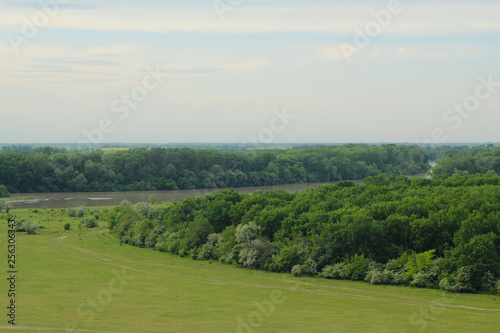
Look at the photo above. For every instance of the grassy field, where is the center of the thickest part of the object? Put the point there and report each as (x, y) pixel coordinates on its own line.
(85, 281)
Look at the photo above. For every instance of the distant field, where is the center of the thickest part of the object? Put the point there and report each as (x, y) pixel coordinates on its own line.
(113, 149)
(85, 280)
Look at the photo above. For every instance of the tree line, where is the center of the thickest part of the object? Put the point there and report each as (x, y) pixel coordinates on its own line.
(469, 161)
(436, 233)
(48, 169)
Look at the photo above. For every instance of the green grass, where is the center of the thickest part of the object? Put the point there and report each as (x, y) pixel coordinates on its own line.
(166, 293)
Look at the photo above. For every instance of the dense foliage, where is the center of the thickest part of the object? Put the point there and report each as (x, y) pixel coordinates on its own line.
(470, 161)
(53, 170)
(421, 232)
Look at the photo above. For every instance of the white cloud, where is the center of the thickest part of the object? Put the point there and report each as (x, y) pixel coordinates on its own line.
(404, 52)
(415, 19)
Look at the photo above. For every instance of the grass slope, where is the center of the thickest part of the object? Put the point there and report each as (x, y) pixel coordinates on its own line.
(87, 281)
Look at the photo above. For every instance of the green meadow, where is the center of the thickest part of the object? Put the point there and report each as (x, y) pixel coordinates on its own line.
(86, 281)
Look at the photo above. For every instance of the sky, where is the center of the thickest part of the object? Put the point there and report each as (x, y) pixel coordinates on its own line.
(240, 71)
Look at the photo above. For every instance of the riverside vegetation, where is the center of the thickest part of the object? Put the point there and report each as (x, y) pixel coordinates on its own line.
(66, 272)
(434, 233)
(48, 169)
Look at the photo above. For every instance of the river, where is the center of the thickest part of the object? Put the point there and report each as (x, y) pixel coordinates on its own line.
(92, 199)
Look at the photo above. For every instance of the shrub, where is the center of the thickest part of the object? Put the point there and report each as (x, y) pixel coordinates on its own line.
(67, 226)
(458, 282)
(297, 270)
(81, 211)
(488, 281)
(31, 228)
(381, 277)
(4, 192)
(27, 226)
(308, 268)
(336, 271)
(143, 208)
(71, 212)
(153, 199)
(419, 280)
(125, 203)
(89, 222)
(401, 278)
(328, 272)
(209, 249)
(22, 225)
(357, 267)
(419, 262)
(5, 205)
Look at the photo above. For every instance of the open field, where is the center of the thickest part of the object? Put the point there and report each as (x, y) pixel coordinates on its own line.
(85, 280)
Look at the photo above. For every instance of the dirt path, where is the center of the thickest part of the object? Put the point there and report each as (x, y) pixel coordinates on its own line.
(298, 285)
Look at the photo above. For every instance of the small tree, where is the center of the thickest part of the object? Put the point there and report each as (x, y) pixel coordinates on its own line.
(125, 203)
(143, 208)
(89, 222)
(81, 211)
(5, 205)
(153, 199)
(32, 227)
(4, 192)
(26, 225)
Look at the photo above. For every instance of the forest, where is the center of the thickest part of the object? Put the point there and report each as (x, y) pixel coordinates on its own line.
(469, 161)
(430, 233)
(48, 169)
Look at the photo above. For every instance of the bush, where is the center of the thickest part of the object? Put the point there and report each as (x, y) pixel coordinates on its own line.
(6, 205)
(336, 271)
(153, 199)
(143, 208)
(32, 227)
(308, 268)
(4, 192)
(401, 278)
(488, 281)
(209, 249)
(81, 211)
(357, 267)
(459, 282)
(71, 212)
(419, 280)
(125, 203)
(67, 226)
(21, 225)
(27, 226)
(89, 222)
(297, 270)
(381, 277)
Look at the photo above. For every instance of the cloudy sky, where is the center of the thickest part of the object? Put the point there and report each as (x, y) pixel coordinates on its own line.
(228, 70)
